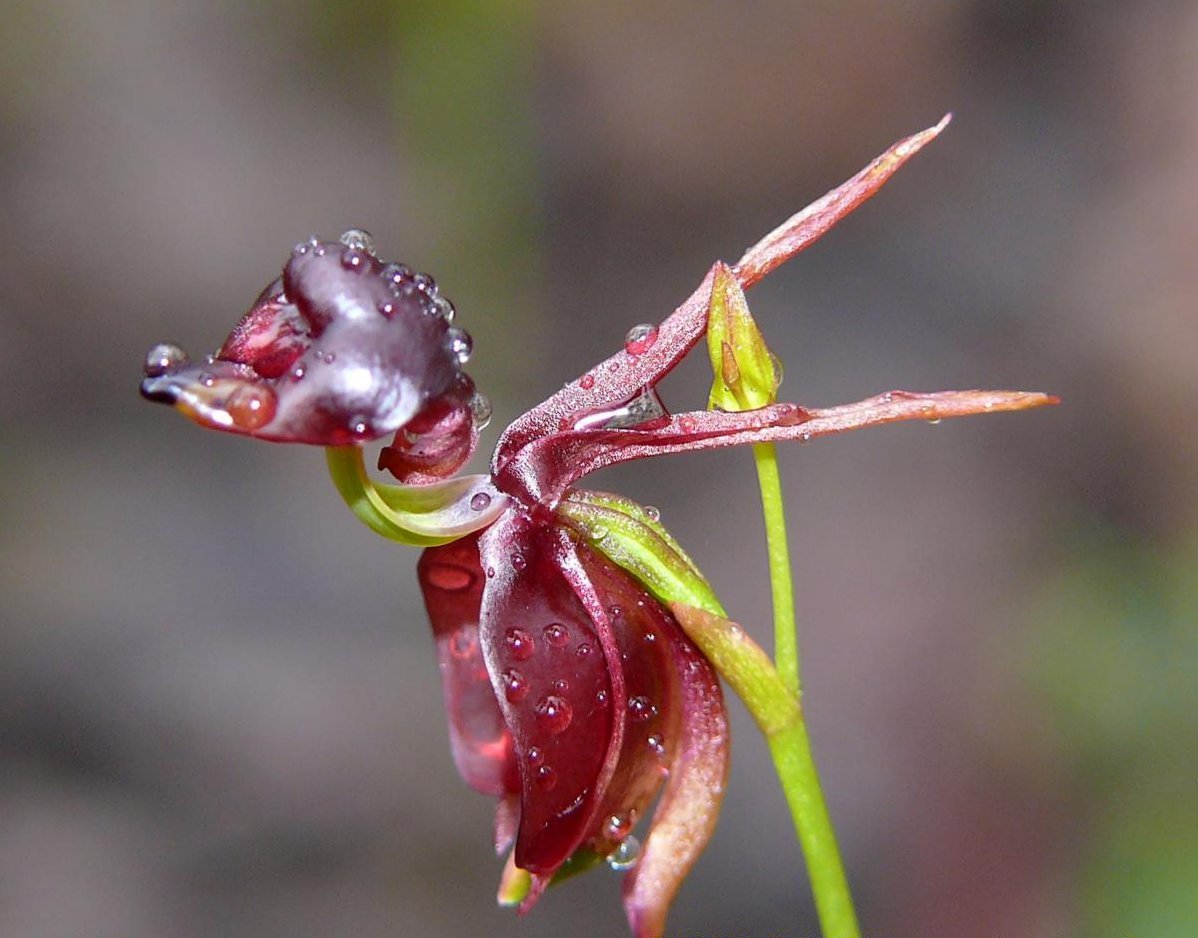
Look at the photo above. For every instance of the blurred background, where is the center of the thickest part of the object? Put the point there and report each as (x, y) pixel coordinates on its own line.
(219, 708)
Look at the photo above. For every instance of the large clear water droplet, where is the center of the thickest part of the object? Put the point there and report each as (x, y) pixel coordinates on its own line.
(357, 238)
(640, 338)
(624, 857)
(460, 344)
(162, 358)
(644, 407)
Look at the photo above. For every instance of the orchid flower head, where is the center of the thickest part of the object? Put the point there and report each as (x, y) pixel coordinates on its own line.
(562, 618)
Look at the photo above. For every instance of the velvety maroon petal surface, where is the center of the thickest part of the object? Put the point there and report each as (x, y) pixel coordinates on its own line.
(555, 671)
(451, 579)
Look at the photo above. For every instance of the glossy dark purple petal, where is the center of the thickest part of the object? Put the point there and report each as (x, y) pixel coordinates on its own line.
(560, 702)
(341, 349)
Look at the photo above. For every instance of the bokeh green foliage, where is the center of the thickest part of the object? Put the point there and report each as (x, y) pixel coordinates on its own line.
(1112, 658)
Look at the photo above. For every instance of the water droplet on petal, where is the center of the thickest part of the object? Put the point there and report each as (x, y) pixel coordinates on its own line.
(297, 372)
(480, 410)
(480, 501)
(561, 686)
(653, 513)
(586, 382)
(359, 239)
(490, 573)
(618, 826)
(251, 406)
(583, 650)
(656, 746)
(556, 634)
(425, 284)
(640, 338)
(805, 436)
(776, 362)
(624, 857)
(934, 421)
(553, 714)
(546, 778)
(515, 687)
(641, 709)
(354, 259)
(644, 407)
(518, 561)
(535, 757)
(161, 358)
(396, 274)
(460, 344)
(444, 308)
(601, 698)
(519, 643)
(615, 611)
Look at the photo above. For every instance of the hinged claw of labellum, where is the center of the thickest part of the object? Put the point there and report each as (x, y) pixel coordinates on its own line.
(574, 695)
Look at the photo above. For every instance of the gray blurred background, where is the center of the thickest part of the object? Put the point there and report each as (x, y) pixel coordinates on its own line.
(219, 709)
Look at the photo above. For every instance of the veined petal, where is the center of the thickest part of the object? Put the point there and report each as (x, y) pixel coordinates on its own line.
(451, 579)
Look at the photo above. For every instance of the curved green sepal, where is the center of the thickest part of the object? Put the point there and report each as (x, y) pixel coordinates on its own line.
(418, 515)
(631, 537)
(744, 665)
(746, 374)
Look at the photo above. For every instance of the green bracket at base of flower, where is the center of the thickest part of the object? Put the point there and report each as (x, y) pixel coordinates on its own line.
(417, 515)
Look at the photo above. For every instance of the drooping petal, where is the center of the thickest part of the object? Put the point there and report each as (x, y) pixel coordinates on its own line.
(452, 580)
(687, 812)
(546, 468)
(642, 365)
(341, 349)
(549, 649)
(645, 635)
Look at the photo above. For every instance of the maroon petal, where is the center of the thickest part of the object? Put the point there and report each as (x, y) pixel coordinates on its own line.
(644, 362)
(341, 349)
(646, 635)
(452, 582)
(698, 772)
(548, 646)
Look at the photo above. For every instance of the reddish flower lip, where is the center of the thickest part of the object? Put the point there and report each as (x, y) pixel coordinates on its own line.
(342, 348)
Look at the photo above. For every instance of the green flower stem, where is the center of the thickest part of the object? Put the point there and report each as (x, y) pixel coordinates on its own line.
(786, 646)
(634, 538)
(790, 745)
(791, 751)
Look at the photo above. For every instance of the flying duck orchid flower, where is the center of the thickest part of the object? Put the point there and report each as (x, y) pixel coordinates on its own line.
(580, 648)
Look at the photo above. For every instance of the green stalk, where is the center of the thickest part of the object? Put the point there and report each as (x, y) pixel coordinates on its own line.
(786, 646)
(789, 743)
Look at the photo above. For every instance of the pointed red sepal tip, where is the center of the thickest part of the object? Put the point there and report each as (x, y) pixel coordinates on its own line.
(812, 222)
